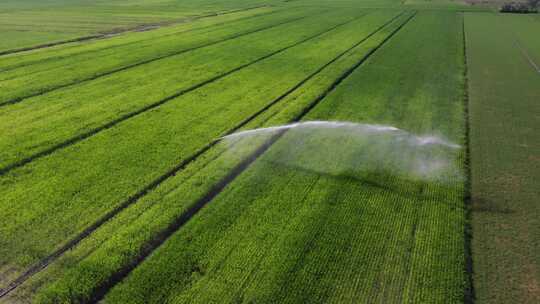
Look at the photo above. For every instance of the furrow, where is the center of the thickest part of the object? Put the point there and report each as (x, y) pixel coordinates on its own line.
(127, 67)
(127, 116)
(525, 54)
(228, 22)
(469, 294)
(117, 32)
(354, 67)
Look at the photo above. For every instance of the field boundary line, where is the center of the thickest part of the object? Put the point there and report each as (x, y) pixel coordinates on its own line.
(112, 33)
(179, 33)
(134, 198)
(148, 107)
(469, 294)
(140, 63)
(218, 187)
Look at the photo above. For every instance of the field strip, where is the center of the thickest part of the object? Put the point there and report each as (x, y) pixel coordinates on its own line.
(218, 188)
(104, 100)
(315, 73)
(73, 242)
(102, 46)
(77, 63)
(94, 77)
(55, 57)
(503, 118)
(469, 293)
(127, 116)
(117, 32)
(52, 44)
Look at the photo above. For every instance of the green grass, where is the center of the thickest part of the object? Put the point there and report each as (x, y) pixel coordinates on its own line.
(504, 93)
(145, 147)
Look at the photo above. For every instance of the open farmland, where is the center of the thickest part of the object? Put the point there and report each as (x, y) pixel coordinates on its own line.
(305, 151)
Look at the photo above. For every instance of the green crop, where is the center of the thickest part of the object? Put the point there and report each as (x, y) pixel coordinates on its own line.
(286, 235)
(140, 150)
(302, 151)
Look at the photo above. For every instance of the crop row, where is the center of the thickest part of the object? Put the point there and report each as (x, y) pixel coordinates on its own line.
(195, 181)
(95, 175)
(45, 123)
(279, 234)
(40, 56)
(34, 23)
(38, 78)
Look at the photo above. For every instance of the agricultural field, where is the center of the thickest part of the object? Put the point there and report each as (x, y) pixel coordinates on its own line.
(307, 151)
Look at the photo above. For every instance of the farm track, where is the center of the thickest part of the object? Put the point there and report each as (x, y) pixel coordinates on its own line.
(235, 172)
(127, 116)
(215, 190)
(525, 54)
(127, 67)
(30, 63)
(131, 29)
(469, 294)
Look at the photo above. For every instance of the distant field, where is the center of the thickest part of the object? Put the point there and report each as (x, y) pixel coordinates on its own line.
(122, 178)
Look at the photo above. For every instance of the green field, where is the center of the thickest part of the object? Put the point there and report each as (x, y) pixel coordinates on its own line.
(504, 119)
(410, 169)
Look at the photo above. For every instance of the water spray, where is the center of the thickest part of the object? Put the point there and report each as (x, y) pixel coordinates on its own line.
(373, 153)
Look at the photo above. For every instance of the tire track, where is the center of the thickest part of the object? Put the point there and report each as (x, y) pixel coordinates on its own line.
(315, 73)
(130, 66)
(112, 33)
(469, 295)
(211, 194)
(146, 108)
(134, 198)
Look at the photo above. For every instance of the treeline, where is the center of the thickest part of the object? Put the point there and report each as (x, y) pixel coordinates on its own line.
(531, 6)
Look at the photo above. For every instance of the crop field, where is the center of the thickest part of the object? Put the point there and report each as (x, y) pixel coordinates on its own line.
(307, 151)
